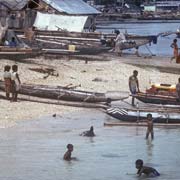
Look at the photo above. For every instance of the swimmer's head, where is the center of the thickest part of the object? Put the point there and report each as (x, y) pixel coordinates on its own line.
(70, 147)
(139, 163)
(91, 128)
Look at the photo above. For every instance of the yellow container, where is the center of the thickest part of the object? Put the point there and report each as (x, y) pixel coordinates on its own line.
(72, 48)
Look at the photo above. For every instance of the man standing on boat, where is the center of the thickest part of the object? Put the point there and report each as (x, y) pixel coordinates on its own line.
(134, 85)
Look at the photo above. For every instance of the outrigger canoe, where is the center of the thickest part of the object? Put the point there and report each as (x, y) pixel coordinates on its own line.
(63, 93)
(136, 115)
(157, 99)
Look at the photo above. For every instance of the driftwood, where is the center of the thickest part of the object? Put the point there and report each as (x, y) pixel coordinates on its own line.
(48, 71)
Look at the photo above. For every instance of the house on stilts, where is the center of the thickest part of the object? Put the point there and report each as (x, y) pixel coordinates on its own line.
(50, 15)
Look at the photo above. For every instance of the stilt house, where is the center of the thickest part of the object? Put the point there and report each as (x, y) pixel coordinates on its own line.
(70, 15)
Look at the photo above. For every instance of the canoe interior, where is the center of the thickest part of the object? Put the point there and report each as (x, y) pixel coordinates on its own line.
(157, 99)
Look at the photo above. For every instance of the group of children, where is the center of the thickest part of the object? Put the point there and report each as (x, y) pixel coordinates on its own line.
(12, 82)
(148, 171)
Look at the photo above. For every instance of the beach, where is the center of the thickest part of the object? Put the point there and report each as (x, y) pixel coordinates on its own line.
(95, 76)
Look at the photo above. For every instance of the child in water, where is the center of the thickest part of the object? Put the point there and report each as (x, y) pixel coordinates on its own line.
(149, 126)
(89, 133)
(149, 171)
(67, 155)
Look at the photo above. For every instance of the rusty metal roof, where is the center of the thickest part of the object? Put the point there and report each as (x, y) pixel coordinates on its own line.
(65, 6)
(14, 4)
(72, 6)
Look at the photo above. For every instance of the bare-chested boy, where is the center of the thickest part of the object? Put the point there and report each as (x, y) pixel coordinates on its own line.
(149, 126)
(149, 171)
(67, 155)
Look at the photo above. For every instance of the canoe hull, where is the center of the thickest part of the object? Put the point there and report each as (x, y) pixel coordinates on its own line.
(137, 115)
(157, 99)
(61, 93)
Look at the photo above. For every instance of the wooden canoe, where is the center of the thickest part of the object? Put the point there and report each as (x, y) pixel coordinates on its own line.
(61, 93)
(136, 115)
(18, 53)
(157, 99)
(94, 36)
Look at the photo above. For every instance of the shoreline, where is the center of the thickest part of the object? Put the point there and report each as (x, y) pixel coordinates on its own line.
(113, 76)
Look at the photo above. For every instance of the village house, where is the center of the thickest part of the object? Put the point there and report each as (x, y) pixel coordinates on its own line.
(70, 15)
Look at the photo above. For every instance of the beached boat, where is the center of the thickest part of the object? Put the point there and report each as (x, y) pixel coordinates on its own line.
(86, 43)
(157, 99)
(136, 115)
(162, 89)
(91, 36)
(19, 51)
(64, 93)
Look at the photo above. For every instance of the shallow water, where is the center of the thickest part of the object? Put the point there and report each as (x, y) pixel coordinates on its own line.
(34, 150)
(162, 48)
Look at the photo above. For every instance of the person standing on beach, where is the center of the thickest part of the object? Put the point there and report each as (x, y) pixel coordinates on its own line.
(134, 85)
(120, 39)
(175, 49)
(7, 80)
(15, 83)
(178, 90)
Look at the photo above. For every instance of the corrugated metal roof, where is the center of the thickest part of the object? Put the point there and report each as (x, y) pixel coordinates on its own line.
(14, 4)
(72, 6)
(66, 6)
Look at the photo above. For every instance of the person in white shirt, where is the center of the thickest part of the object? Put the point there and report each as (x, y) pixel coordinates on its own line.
(7, 80)
(120, 39)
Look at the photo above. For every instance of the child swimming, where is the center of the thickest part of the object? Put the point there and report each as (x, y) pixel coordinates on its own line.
(149, 171)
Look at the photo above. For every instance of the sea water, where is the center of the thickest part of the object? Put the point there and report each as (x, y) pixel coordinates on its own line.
(33, 150)
(162, 48)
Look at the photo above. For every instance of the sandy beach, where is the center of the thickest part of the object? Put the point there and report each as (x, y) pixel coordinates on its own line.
(111, 75)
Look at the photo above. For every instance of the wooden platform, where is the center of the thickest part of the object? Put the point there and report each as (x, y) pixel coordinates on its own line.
(142, 124)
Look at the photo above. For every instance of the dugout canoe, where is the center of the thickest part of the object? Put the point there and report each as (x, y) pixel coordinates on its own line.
(18, 53)
(136, 115)
(157, 99)
(62, 93)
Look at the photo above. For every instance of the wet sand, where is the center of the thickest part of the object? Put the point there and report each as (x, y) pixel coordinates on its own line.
(113, 76)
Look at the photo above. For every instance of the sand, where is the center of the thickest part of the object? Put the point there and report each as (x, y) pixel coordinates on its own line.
(112, 75)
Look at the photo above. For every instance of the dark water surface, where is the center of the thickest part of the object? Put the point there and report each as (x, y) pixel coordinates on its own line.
(33, 150)
(163, 46)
